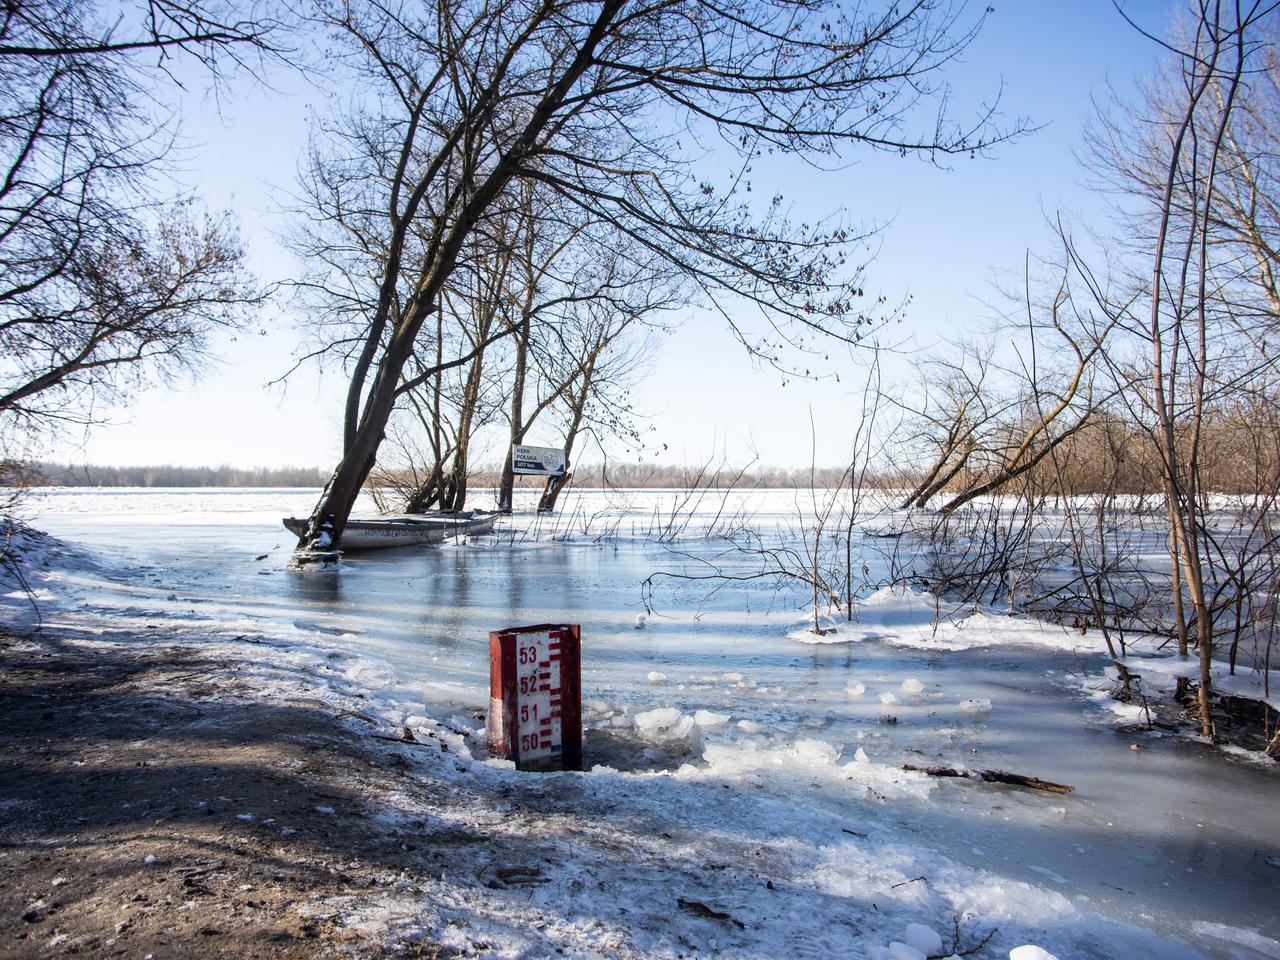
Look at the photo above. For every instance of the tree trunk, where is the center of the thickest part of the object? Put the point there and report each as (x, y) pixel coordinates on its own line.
(506, 485)
(470, 397)
(361, 452)
(428, 494)
(551, 492)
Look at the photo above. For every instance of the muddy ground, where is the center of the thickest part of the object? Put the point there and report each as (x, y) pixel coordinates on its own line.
(144, 812)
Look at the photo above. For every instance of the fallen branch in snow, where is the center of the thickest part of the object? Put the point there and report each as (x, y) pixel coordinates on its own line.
(702, 910)
(895, 886)
(439, 744)
(970, 951)
(993, 776)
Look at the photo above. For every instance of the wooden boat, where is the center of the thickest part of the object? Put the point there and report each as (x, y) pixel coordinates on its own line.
(405, 530)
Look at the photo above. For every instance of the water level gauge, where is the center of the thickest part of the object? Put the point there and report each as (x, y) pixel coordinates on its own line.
(535, 696)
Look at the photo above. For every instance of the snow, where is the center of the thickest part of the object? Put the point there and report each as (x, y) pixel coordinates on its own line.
(1161, 669)
(1249, 939)
(909, 617)
(923, 939)
(1030, 952)
(779, 799)
(904, 951)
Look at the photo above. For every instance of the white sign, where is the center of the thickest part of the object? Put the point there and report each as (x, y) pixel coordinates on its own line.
(539, 726)
(542, 461)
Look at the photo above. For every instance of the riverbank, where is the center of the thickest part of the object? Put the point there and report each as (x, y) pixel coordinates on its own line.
(157, 804)
(181, 668)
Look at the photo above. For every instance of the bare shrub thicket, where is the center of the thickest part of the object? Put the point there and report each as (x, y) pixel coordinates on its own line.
(107, 277)
(1154, 419)
(839, 531)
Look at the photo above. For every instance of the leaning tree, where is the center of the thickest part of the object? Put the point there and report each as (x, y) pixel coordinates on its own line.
(603, 104)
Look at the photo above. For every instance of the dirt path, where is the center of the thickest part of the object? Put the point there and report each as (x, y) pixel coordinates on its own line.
(145, 812)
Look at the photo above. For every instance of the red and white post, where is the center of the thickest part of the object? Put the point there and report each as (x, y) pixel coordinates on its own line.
(535, 696)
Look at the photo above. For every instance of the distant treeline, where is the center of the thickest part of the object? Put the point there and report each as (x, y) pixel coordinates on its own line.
(628, 475)
(642, 476)
(88, 475)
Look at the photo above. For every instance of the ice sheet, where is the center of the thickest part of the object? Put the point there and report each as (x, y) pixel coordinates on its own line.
(790, 771)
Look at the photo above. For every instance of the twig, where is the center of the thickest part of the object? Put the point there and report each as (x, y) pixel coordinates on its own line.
(993, 776)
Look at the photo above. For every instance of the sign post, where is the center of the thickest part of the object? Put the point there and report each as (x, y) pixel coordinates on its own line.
(535, 696)
(538, 461)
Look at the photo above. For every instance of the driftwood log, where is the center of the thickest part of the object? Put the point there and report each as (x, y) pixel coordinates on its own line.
(993, 776)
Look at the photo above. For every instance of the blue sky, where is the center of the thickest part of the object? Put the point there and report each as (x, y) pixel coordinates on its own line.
(949, 233)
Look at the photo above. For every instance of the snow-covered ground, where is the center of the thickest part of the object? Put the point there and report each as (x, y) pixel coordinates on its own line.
(747, 796)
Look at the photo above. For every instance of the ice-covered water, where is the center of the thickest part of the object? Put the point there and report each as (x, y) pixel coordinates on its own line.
(1169, 836)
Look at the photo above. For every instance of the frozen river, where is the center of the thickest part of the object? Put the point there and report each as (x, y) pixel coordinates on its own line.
(1176, 837)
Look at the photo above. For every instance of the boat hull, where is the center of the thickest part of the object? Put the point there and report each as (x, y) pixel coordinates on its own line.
(408, 530)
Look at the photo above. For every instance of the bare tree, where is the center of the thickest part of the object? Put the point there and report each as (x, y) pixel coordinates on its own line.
(953, 408)
(133, 300)
(573, 358)
(467, 100)
(1207, 261)
(102, 279)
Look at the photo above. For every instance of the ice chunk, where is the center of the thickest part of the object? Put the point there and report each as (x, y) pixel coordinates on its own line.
(888, 698)
(655, 755)
(750, 726)
(655, 677)
(641, 620)
(815, 753)
(651, 721)
(923, 938)
(732, 677)
(673, 732)
(976, 706)
(710, 721)
(904, 951)
(861, 756)
(1030, 951)
(684, 733)
(855, 688)
(912, 687)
